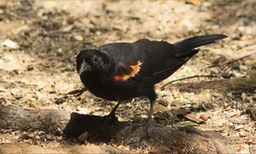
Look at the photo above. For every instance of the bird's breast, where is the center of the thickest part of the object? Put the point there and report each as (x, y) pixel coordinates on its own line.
(109, 90)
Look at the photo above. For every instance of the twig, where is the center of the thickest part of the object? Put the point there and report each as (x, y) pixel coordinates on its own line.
(189, 77)
(246, 46)
(77, 92)
(231, 61)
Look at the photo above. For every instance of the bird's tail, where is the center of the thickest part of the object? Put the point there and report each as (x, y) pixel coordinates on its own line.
(184, 47)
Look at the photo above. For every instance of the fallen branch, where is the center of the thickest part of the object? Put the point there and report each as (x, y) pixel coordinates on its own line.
(89, 128)
(18, 118)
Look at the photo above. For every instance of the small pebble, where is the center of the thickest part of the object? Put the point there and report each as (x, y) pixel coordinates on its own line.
(83, 137)
(30, 67)
(60, 101)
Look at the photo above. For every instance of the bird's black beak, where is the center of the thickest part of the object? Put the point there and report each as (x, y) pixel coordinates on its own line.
(84, 67)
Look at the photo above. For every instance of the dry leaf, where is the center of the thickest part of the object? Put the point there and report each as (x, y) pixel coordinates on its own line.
(79, 37)
(193, 117)
(160, 108)
(67, 28)
(11, 44)
(194, 2)
(181, 112)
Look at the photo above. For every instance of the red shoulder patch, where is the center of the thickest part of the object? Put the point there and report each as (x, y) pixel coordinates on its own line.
(128, 72)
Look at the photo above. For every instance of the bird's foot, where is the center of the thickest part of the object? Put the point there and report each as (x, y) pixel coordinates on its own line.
(109, 120)
(146, 125)
(145, 129)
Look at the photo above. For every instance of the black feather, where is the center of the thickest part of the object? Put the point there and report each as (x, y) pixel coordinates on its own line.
(185, 47)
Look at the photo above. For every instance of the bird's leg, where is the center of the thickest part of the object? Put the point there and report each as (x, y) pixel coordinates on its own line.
(111, 115)
(148, 122)
(149, 119)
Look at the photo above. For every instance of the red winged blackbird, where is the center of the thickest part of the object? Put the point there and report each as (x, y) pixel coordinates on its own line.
(122, 71)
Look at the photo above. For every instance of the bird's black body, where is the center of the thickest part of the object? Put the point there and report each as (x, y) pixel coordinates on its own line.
(122, 71)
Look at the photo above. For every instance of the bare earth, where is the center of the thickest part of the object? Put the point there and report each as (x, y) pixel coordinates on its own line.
(39, 41)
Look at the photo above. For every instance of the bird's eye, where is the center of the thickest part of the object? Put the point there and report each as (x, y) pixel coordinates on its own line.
(94, 59)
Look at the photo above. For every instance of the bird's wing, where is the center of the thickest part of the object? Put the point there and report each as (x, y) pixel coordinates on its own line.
(160, 61)
(163, 59)
(127, 58)
(147, 62)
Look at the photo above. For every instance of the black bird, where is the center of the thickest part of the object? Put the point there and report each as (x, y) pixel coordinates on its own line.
(122, 71)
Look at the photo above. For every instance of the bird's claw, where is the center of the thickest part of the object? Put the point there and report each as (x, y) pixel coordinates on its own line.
(145, 129)
(109, 119)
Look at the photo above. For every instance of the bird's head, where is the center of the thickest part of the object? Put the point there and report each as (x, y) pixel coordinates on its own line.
(92, 61)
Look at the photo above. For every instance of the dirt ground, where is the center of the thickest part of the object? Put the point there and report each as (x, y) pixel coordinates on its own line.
(40, 39)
